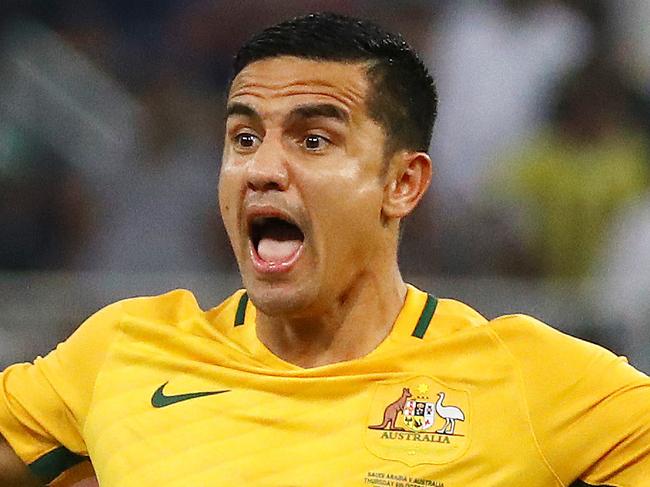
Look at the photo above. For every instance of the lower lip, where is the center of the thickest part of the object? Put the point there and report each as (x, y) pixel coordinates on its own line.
(264, 267)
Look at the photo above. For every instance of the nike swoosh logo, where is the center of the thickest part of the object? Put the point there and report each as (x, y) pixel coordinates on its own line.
(161, 400)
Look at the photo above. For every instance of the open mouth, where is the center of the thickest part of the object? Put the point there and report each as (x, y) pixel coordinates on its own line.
(276, 242)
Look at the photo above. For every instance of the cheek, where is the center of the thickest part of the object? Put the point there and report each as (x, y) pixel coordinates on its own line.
(228, 193)
(351, 211)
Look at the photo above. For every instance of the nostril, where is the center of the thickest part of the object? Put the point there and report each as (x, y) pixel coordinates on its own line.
(264, 186)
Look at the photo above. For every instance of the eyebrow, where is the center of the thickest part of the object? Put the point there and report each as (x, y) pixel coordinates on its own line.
(311, 110)
(318, 110)
(237, 108)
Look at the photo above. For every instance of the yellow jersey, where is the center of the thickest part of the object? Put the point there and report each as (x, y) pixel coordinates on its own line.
(157, 392)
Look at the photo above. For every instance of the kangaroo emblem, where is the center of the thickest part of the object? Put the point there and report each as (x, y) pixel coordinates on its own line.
(391, 412)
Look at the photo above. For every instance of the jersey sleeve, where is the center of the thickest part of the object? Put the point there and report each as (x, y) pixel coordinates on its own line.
(43, 404)
(589, 409)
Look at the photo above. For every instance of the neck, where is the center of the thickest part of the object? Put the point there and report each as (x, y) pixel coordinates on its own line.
(352, 325)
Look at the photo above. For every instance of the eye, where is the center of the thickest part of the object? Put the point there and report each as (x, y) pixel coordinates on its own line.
(315, 142)
(246, 141)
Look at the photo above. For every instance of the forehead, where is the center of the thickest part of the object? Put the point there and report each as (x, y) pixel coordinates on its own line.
(288, 79)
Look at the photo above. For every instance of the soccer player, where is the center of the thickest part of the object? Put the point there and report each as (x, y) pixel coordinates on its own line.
(327, 369)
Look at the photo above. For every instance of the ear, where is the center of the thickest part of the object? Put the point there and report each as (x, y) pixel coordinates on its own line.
(406, 182)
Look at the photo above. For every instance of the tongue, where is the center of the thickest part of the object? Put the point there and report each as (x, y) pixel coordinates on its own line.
(277, 251)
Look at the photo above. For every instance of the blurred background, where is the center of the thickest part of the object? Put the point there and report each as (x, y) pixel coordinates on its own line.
(111, 115)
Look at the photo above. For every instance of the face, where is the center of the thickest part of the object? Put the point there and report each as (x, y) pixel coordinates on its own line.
(300, 189)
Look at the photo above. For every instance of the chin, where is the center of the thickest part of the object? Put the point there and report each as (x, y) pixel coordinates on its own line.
(279, 299)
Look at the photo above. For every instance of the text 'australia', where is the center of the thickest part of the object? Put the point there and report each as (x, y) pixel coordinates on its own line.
(399, 435)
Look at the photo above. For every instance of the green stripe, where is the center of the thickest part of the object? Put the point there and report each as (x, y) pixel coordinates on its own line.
(52, 464)
(425, 317)
(241, 310)
(580, 483)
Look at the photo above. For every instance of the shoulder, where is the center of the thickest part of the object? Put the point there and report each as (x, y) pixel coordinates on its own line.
(522, 334)
(458, 315)
(542, 352)
(172, 308)
(528, 342)
(554, 364)
(176, 309)
(575, 391)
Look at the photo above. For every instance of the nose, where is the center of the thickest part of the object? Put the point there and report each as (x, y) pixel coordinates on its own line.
(267, 169)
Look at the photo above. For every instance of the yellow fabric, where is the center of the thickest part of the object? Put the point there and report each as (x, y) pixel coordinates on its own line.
(524, 404)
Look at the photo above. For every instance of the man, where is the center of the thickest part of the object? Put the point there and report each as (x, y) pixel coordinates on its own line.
(327, 369)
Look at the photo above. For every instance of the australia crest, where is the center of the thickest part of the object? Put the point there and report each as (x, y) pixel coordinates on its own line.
(419, 421)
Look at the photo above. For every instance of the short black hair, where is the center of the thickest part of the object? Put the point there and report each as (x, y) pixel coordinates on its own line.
(403, 99)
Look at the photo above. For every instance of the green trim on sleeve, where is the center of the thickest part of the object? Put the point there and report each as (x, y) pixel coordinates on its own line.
(241, 310)
(52, 464)
(425, 317)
